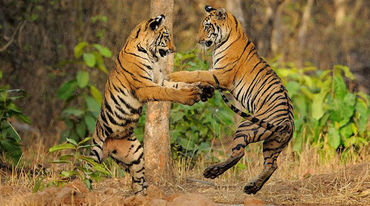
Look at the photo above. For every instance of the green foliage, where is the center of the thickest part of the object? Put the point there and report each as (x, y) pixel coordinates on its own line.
(326, 113)
(9, 137)
(80, 120)
(79, 165)
(193, 128)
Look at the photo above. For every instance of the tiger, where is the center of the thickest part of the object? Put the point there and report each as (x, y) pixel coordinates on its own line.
(238, 72)
(134, 81)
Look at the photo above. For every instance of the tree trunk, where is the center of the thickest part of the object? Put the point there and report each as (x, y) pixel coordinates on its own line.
(303, 29)
(276, 29)
(340, 12)
(157, 138)
(235, 7)
(267, 44)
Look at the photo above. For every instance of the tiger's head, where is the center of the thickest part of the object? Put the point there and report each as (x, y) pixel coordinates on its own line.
(153, 38)
(215, 27)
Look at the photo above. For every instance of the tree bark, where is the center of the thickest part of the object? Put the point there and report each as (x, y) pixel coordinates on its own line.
(267, 44)
(304, 24)
(340, 12)
(157, 138)
(276, 29)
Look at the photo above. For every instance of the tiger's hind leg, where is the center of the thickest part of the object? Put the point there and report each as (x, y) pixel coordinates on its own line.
(271, 150)
(246, 133)
(129, 153)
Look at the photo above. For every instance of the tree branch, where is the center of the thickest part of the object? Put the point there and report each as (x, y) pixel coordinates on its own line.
(18, 28)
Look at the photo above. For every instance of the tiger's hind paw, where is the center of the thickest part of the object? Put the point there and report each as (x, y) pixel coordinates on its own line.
(251, 188)
(213, 171)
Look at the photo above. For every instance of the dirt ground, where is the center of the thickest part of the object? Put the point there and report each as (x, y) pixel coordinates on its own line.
(348, 185)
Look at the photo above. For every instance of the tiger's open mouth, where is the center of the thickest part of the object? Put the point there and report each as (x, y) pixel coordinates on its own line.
(162, 52)
(208, 43)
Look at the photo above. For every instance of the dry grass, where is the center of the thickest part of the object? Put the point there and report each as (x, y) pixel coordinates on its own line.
(304, 180)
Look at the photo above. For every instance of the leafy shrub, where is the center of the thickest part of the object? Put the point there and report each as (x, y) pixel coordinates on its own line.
(80, 165)
(9, 137)
(327, 114)
(80, 120)
(193, 127)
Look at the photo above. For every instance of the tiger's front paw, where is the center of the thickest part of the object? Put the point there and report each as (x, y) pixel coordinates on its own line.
(207, 91)
(190, 95)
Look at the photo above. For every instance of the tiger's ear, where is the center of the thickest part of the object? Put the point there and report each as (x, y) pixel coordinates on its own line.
(221, 13)
(209, 8)
(157, 22)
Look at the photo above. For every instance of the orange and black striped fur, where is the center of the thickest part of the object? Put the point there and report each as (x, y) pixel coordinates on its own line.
(134, 81)
(237, 68)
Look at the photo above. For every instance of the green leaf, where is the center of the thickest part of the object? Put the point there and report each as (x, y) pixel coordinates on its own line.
(84, 140)
(100, 168)
(340, 88)
(62, 161)
(38, 186)
(12, 148)
(346, 71)
(317, 105)
(67, 90)
(78, 50)
(82, 78)
(67, 174)
(89, 59)
(362, 114)
(72, 141)
(103, 68)
(293, 88)
(87, 182)
(100, 62)
(62, 147)
(81, 129)
(65, 157)
(333, 137)
(90, 123)
(301, 105)
(297, 143)
(96, 94)
(346, 131)
(72, 111)
(103, 50)
(342, 109)
(92, 105)
(89, 160)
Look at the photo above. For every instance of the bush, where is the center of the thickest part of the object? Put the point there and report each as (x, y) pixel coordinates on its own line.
(80, 165)
(326, 113)
(81, 119)
(9, 137)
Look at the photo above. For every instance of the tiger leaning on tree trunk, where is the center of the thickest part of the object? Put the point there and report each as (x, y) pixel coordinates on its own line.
(130, 85)
(238, 69)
